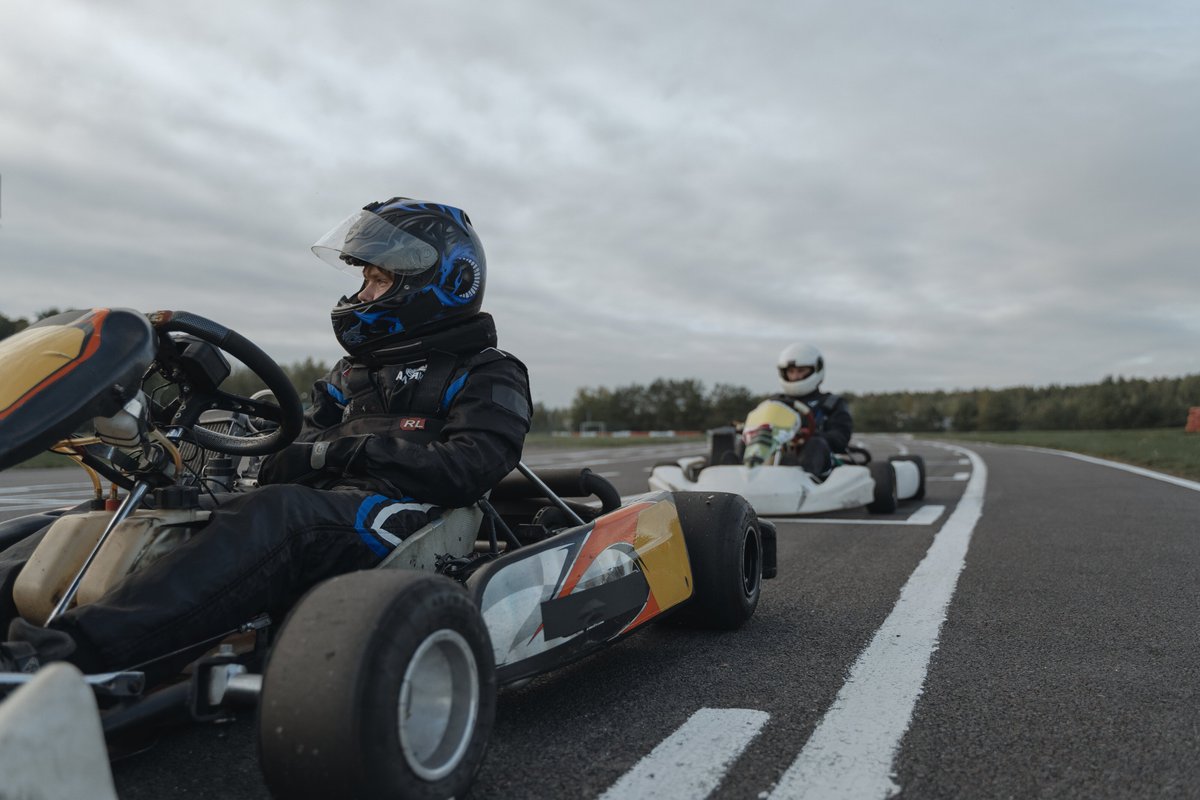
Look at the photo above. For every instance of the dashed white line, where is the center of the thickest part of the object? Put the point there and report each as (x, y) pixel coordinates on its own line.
(958, 476)
(850, 753)
(690, 763)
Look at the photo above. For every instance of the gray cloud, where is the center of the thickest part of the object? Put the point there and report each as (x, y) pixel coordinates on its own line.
(938, 195)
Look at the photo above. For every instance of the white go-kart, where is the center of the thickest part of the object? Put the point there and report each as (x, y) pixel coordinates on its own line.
(758, 462)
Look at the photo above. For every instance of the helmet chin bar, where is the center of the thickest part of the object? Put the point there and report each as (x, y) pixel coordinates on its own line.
(805, 386)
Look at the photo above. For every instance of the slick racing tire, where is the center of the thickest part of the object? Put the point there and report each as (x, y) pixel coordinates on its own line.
(884, 476)
(725, 548)
(381, 684)
(920, 462)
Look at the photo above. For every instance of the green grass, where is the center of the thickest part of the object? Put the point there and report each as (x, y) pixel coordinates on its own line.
(44, 460)
(1163, 449)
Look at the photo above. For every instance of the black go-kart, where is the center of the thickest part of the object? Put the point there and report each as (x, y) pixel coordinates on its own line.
(548, 568)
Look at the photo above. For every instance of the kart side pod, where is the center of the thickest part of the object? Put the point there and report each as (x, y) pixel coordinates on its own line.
(550, 603)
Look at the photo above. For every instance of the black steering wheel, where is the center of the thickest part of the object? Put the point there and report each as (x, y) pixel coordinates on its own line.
(197, 394)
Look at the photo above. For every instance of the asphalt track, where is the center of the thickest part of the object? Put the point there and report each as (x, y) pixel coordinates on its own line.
(1036, 637)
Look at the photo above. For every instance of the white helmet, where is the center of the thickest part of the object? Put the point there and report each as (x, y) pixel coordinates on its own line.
(801, 355)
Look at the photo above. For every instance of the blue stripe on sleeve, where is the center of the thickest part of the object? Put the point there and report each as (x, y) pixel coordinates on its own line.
(453, 390)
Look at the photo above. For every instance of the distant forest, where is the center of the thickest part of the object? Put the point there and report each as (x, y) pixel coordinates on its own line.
(689, 405)
(1112, 403)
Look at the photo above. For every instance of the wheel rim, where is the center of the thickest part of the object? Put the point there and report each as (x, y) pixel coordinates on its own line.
(751, 562)
(439, 704)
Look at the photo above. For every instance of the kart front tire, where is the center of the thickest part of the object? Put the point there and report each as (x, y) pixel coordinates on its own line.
(920, 462)
(725, 548)
(884, 476)
(381, 684)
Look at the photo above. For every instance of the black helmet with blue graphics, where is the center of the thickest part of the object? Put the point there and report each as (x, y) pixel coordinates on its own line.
(430, 254)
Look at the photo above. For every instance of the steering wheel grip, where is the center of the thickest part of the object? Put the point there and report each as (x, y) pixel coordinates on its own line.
(261, 364)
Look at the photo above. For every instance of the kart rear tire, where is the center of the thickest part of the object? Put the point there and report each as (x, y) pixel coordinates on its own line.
(725, 549)
(884, 476)
(920, 462)
(349, 697)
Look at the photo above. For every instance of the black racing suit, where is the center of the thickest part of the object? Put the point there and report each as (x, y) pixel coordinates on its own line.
(383, 449)
(833, 430)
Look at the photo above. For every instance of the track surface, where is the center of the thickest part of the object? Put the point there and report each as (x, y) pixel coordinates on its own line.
(1064, 663)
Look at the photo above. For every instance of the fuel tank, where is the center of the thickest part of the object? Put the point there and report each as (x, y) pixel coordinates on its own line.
(139, 541)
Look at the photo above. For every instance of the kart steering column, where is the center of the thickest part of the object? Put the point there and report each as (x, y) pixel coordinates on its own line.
(132, 501)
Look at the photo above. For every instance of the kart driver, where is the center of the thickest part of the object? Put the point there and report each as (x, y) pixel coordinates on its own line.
(801, 370)
(425, 413)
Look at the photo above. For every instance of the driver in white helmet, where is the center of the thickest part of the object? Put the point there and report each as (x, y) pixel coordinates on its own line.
(801, 371)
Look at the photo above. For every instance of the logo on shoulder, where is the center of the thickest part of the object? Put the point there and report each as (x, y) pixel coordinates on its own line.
(412, 424)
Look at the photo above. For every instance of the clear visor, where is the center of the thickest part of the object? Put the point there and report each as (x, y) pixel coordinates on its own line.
(365, 238)
(774, 414)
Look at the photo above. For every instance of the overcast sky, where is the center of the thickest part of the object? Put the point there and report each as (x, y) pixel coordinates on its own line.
(937, 194)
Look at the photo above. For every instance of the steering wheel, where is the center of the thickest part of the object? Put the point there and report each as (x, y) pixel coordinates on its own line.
(198, 394)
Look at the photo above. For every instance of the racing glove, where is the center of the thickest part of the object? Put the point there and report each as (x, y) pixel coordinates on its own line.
(309, 462)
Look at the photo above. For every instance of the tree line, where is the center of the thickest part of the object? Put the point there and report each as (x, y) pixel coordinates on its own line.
(10, 326)
(686, 405)
(689, 405)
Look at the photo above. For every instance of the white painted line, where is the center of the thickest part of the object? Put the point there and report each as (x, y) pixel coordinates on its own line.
(609, 474)
(958, 476)
(690, 763)
(964, 461)
(1145, 473)
(850, 753)
(925, 515)
(42, 507)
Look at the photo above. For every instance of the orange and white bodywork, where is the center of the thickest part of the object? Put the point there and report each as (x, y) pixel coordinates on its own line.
(555, 601)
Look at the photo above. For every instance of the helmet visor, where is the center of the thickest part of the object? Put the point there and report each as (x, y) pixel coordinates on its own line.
(365, 238)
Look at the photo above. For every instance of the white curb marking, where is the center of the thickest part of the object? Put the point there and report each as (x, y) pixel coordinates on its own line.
(1145, 473)
(850, 753)
(690, 763)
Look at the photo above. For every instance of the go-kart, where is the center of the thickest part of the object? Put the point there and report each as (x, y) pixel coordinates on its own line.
(379, 683)
(758, 461)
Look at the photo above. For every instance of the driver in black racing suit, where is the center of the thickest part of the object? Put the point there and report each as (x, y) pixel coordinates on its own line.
(801, 370)
(424, 414)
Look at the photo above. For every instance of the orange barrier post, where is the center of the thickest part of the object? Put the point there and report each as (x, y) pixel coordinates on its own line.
(1193, 422)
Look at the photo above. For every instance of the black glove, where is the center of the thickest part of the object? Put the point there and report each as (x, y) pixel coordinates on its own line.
(309, 462)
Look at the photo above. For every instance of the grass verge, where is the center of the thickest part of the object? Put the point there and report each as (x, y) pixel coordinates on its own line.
(1163, 449)
(45, 460)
